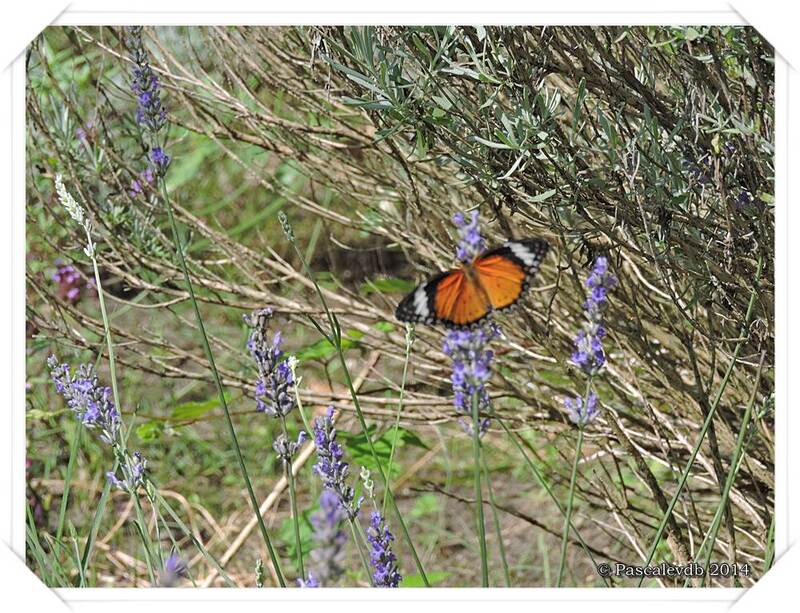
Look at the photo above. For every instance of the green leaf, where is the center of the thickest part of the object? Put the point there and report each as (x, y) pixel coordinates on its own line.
(286, 534)
(513, 168)
(386, 286)
(40, 414)
(150, 430)
(322, 349)
(358, 447)
(194, 409)
(367, 104)
(543, 196)
(692, 34)
(416, 580)
(427, 504)
(384, 326)
(579, 97)
(489, 143)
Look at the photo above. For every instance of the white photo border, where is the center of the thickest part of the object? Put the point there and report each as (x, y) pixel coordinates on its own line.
(165, 13)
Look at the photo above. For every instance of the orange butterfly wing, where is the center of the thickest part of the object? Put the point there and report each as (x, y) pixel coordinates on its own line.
(502, 275)
(502, 278)
(458, 301)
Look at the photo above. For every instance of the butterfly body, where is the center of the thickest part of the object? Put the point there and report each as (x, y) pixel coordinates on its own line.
(464, 296)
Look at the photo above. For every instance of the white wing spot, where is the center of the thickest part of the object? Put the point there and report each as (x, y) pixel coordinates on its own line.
(528, 257)
(421, 302)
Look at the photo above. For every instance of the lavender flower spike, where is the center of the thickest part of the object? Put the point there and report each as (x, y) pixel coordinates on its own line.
(286, 449)
(311, 581)
(471, 370)
(274, 385)
(69, 282)
(581, 413)
(133, 471)
(150, 114)
(175, 568)
(381, 556)
(589, 354)
(160, 161)
(327, 556)
(91, 402)
(330, 466)
(470, 244)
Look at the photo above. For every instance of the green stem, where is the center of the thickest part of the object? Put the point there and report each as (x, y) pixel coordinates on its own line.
(409, 342)
(73, 454)
(159, 557)
(287, 467)
(496, 522)
(336, 340)
(568, 516)
(476, 449)
(735, 464)
(115, 391)
(296, 385)
(706, 424)
(189, 534)
(387, 489)
(141, 523)
(112, 364)
(175, 546)
(95, 526)
(540, 478)
(358, 539)
(220, 391)
(49, 570)
(769, 554)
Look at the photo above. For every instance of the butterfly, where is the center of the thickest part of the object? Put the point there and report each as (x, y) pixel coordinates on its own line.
(461, 297)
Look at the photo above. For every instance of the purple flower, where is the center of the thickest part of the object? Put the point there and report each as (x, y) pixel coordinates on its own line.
(470, 244)
(160, 161)
(310, 582)
(581, 413)
(150, 114)
(69, 282)
(91, 402)
(133, 471)
(471, 361)
(327, 556)
(469, 428)
(94, 407)
(286, 448)
(84, 133)
(175, 568)
(383, 560)
(743, 199)
(589, 355)
(274, 389)
(136, 188)
(330, 466)
(701, 170)
(145, 178)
